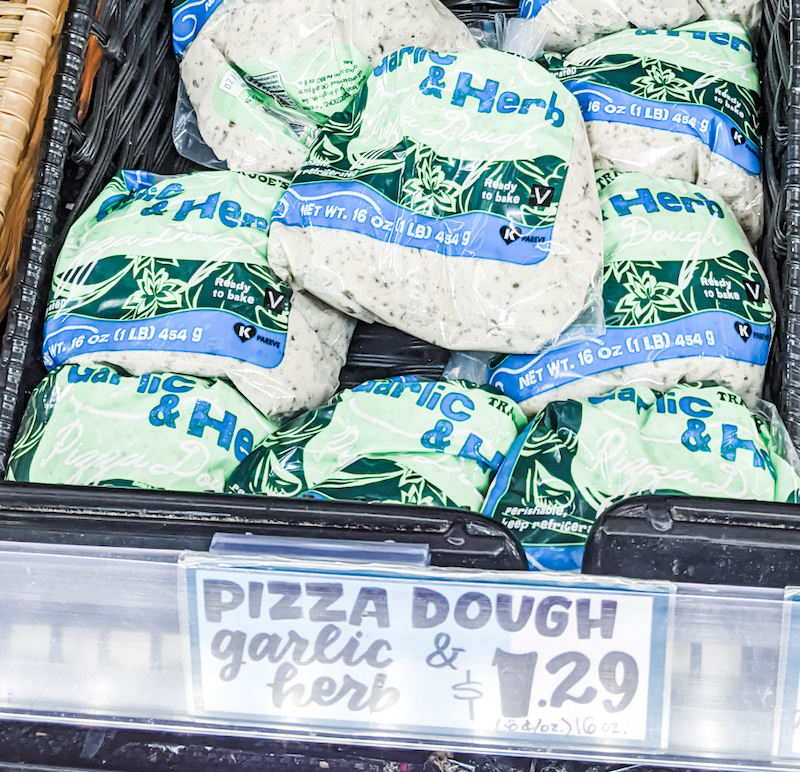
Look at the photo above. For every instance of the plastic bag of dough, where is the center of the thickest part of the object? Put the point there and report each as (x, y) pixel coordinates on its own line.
(453, 199)
(264, 75)
(578, 457)
(96, 426)
(401, 440)
(171, 274)
(685, 300)
(573, 23)
(681, 103)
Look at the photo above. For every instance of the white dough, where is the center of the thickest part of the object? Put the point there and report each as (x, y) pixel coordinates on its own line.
(308, 35)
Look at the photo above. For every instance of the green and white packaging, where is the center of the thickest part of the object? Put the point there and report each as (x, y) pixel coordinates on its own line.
(578, 457)
(684, 299)
(681, 103)
(452, 199)
(264, 75)
(572, 23)
(171, 274)
(399, 440)
(96, 426)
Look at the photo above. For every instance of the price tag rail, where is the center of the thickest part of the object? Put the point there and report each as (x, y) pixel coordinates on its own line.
(400, 655)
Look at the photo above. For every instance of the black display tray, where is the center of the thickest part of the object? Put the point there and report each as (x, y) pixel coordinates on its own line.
(128, 125)
(56, 514)
(706, 541)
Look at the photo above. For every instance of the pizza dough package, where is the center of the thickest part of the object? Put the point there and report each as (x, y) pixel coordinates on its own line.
(680, 103)
(170, 274)
(263, 75)
(579, 457)
(96, 426)
(401, 440)
(452, 199)
(572, 23)
(685, 299)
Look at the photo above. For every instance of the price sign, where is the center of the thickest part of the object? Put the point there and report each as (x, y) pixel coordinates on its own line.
(436, 655)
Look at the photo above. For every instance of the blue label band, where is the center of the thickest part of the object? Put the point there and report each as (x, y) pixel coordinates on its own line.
(355, 207)
(718, 132)
(554, 558)
(217, 333)
(187, 21)
(530, 8)
(714, 334)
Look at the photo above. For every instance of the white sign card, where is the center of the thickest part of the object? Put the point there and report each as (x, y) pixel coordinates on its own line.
(433, 654)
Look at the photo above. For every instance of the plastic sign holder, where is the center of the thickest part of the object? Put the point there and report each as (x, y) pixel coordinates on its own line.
(375, 651)
(253, 639)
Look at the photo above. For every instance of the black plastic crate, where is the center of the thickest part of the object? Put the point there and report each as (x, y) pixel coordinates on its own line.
(129, 126)
(705, 541)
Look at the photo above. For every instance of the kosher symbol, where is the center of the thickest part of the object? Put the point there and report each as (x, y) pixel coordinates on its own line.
(441, 658)
(738, 137)
(244, 331)
(743, 330)
(467, 690)
(509, 233)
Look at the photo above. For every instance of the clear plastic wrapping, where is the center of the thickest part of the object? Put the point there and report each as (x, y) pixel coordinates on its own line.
(453, 199)
(263, 75)
(685, 300)
(97, 426)
(170, 274)
(572, 23)
(401, 440)
(681, 103)
(578, 457)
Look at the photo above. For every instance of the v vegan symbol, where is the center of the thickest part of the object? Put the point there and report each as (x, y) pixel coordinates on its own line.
(754, 290)
(275, 300)
(244, 331)
(541, 195)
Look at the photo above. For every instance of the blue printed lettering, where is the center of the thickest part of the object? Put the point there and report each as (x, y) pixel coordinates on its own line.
(400, 387)
(200, 419)
(243, 444)
(528, 103)
(644, 198)
(433, 84)
(731, 443)
(76, 376)
(206, 208)
(686, 405)
(229, 214)
(508, 102)
(178, 384)
(472, 449)
(554, 114)
(670, 202)
(170, 191)
(464, 89)
(251, 219)
(456, 415)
